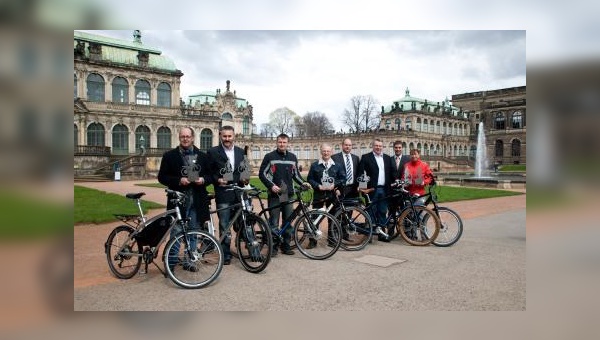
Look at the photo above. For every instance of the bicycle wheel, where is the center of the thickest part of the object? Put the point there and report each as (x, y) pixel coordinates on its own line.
(317, 235)
(123, 253)
(420, 227)
(356, 228)
(451, 227)
(254, 244)
(194, 263)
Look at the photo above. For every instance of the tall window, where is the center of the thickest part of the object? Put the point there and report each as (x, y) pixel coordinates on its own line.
(120, 143)
(306, 152)
(255, 152)
(75, 135)
(120, 90)
(499, 121)
(419, 125)
(516, 148)
(226, 116)
(316, 153)
(517, 120)
(142, 92)
(163, 95)
(499, 148)
(398, 123)
(246, 126)
(206, 137)
(163, 138)
(95, 87)
(142, 137)
(95, 134)
(431, 126)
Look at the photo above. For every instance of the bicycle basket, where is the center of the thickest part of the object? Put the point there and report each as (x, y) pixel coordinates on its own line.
(154, 231)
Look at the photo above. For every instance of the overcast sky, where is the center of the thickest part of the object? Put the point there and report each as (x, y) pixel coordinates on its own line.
(321, 70)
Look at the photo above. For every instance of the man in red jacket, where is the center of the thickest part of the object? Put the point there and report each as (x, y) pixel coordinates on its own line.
(417, 173)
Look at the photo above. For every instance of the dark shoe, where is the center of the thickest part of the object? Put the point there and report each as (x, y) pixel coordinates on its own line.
(274, 253)
(346, 238)
(287, 252)
(227, 262)
(383, 238)
(311, 243)
(190, 268)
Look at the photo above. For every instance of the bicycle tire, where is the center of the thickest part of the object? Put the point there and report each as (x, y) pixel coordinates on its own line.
(255, 257)
(327, 243)
(451, 227)
(202, 268)
(126, 263)
(418, 230)
(356, 228)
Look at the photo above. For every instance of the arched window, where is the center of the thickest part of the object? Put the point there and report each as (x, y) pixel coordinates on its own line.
(420, 148)
(142, 92)
(75, 135)
(517, 120)
(499, 121)
(206, 137)
(256, 152)
(266, 150)
(142, 137)
(473, 151)
(516, 148)
(410, 146)
(444, 128)
(455, 151)
(120, 90)
(431, 126)
(388, 124)
(226, 116)
(499, 148)
(418, 126)
(398, 124)
(163, 95)
(425, 150)
(408, 124)
(74, 85)
(246, 126)
(437, 126)
(95, 88)
(404, 150)
(306, 152)
(120, 144)
(163, 138)
(437, 150)
(95, 134)
(316, 153)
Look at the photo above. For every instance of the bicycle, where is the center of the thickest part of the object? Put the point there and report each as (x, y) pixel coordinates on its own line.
(355, 221)
(253, 240)
(140, 239)
(411, 222)
(451, 225)
(308, 224)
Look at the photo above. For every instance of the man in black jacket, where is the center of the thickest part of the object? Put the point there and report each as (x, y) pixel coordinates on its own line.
(349, 162)
(278, 171)
(185, 169)
(226, 160)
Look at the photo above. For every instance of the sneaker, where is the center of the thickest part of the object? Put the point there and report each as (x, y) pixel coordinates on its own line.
(190, 268)
(287, 252)
(311, 243)
(380, 232)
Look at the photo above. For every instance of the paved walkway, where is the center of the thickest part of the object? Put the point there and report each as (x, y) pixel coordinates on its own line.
(484, 271)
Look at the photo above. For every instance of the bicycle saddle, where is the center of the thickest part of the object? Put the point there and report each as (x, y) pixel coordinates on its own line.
(135, 196)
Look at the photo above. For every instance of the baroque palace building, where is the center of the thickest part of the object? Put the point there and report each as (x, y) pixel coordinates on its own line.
(128, 109)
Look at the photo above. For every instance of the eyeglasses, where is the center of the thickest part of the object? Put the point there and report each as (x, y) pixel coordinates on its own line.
(185, 137)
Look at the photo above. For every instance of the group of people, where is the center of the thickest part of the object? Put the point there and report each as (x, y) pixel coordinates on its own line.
(190, 170)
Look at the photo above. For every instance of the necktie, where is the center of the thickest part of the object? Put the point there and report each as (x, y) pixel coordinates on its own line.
(348, 170)
(397, 162)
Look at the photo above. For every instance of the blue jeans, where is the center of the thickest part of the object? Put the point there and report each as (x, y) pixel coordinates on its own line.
(190, 212)
(286, 211)
(379, 210)
(224, 218)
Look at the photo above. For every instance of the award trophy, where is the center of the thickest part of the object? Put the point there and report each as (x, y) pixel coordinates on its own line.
(326, 180)
(227, 172)
(363, 180)
(283, 194)
(191, 171)
(244, 170)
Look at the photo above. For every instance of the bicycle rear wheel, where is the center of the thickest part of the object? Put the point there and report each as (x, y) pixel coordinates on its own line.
(324, 231)
(123, 253)
(420, 227)
(254, 244)
(356, 228)
(195, 262)
(451, 227)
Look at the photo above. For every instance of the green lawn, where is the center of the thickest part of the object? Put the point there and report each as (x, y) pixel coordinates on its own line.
(513, 168)
(94, 206)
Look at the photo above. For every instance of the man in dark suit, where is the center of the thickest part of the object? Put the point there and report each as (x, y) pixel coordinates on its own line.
(398, 161)
(226, 160)
(377, 166)
(349, 162)
(186, 169)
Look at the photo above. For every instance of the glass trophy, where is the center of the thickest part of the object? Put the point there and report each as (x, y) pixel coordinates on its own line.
(326, 180)
(244, 170)
(363, 180)
(227, 172)
(283, 194)
(192, 172)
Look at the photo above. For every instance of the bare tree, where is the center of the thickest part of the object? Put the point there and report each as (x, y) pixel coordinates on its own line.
(282, 120)
(266, 130)
(316, 124)
(363, 114)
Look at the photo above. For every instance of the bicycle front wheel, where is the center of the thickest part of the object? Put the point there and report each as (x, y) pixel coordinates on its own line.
(451, 227)
(356, 228)
(193, 260)
(123, 252)
(317, 234)
(419, 227)
(254, 244)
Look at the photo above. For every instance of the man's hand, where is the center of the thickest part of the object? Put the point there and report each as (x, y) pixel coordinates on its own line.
(275, 189)
(222, 181)
(306, 185)
(184, 181)
(366, 191)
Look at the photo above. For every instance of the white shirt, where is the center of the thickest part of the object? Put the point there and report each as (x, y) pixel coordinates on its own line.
(230, 155)
(379, 160)
(326, 164)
